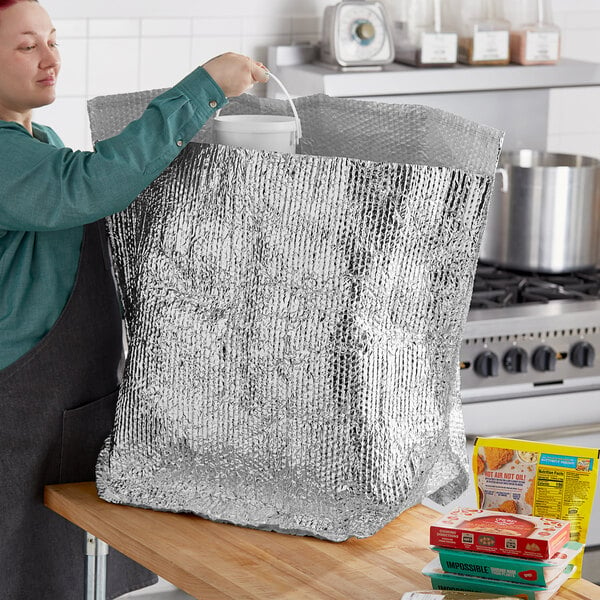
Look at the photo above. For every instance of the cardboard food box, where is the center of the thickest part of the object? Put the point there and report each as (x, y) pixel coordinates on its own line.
(451, 581)
(495, 532)
(508, 568)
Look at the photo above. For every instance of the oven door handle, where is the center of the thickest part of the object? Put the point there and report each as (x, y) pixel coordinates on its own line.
(537, 435)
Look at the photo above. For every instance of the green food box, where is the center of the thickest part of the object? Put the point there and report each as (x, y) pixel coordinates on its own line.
(508, 568)
(451, 581)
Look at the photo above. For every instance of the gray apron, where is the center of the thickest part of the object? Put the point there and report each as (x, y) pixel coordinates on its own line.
(57, 405)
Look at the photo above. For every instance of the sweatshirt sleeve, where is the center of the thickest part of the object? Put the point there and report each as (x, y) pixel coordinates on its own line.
(45, 188)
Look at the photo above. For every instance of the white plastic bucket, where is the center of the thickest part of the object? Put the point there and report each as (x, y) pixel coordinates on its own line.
(257, 132)
(275, 133)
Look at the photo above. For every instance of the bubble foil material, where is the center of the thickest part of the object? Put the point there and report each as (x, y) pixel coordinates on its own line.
(294, 321)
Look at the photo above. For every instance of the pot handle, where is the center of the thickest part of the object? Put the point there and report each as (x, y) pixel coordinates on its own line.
(504, 175)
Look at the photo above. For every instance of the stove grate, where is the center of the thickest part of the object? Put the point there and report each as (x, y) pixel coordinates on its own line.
(497, 288)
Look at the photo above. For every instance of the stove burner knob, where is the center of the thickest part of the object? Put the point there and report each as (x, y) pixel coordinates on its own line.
(486, 364)
(583, 355)
(544, 359)
(515, 360)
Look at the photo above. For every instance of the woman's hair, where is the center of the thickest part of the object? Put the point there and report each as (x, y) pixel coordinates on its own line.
(6, 3)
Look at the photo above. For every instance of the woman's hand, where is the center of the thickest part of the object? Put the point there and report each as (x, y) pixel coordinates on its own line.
(235, 73)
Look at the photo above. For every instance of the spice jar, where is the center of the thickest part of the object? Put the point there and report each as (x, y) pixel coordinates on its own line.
(483, 35)
(534, 39)
(420, 38)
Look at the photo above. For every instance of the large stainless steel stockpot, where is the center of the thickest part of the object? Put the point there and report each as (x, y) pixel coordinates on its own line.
(546, 217)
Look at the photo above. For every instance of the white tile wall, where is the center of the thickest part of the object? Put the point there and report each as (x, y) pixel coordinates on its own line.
(114, 46)
(156, 72)
(205, 27)
(574, 120)
(205, 47)
(113, 65)
(115, 27)
(73, 75)
(166, 27)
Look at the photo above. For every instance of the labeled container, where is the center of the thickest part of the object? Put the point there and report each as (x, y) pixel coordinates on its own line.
(534, 38)
(483, 35)
(273, 133)
(421, 38)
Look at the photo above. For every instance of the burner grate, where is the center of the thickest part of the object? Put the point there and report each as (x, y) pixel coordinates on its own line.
(497, 288)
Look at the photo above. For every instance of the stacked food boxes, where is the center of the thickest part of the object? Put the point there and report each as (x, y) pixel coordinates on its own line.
(501, 553)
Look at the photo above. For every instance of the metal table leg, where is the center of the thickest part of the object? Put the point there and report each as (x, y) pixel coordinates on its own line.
(96, 552)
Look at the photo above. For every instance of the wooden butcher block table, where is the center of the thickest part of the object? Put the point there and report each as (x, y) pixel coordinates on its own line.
(214, 561)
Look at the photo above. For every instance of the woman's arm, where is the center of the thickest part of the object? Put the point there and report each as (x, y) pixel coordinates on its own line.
(44, 188)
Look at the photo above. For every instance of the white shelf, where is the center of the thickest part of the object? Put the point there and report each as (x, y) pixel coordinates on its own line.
(293, 66)
(512, 98)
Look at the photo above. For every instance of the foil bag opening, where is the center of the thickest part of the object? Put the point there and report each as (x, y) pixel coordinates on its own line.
(294, 321)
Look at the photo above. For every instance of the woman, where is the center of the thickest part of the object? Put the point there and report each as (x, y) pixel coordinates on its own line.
(60, 331)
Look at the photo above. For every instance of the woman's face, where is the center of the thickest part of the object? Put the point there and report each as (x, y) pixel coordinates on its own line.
(29, 60)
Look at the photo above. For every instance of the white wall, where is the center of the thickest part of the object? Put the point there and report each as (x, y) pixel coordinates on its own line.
(115, 46)
(574, 124)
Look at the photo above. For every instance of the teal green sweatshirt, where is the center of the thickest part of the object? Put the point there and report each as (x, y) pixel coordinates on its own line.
(49, 192)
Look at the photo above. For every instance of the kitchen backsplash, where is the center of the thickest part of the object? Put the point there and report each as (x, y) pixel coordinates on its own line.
(114, 46)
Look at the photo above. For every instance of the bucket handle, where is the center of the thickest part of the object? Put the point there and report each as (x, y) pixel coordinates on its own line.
(289, 99)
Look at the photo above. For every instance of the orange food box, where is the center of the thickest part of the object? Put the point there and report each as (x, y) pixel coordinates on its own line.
(496, 532)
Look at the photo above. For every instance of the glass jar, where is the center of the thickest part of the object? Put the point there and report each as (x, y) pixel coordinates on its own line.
(420, 38)
(483, 34)
(534, 39)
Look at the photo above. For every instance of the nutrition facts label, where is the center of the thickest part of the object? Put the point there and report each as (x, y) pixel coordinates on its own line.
(562, 494)
(550, 492)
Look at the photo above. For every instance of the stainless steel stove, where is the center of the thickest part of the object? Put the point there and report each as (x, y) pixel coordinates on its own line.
(530, 364)
(531, 334)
